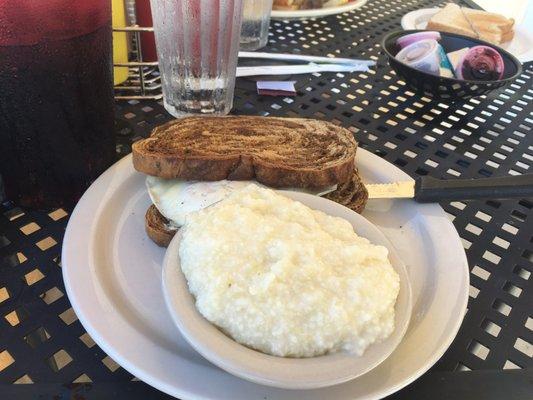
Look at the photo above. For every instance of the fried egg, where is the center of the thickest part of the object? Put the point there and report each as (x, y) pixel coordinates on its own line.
(176, 198)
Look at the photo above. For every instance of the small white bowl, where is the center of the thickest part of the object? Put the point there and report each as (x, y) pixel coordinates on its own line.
(288, 373)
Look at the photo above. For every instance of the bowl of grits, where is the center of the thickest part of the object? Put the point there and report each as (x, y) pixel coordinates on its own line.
(286, 289)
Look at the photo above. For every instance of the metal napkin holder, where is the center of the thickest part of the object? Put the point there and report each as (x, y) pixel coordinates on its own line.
(144, 81)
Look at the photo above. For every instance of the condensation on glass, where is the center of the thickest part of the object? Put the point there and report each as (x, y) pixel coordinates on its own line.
(255, 22)
(197, 45)
(56, 99)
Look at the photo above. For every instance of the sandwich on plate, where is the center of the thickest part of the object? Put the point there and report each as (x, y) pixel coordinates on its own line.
(306, 4)
(195, 162)
(493, 28)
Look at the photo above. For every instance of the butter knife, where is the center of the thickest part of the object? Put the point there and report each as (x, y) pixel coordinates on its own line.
(298, 69)
(302, 58)
(426, 189)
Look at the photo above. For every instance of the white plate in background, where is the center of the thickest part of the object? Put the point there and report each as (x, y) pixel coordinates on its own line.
(317, 12)
(112, 274)
(521, 46)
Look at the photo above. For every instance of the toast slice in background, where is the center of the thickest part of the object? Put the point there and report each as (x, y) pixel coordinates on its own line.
(487, 21)
(351, 194)
(278, 152)
(491, 27)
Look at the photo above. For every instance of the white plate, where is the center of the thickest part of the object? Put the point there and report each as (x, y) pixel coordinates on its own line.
(112, 274)
(316, 12)
(289, 373)
(520, 46)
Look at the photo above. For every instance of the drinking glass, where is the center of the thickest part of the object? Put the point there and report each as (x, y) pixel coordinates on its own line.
(197, 46)
(255, 23)
(56, 99)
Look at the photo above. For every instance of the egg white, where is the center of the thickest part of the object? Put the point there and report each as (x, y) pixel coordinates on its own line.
(176, 198)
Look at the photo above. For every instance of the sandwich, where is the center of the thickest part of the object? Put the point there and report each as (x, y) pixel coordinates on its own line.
(491, 27)
(284, 5)
(194, 162)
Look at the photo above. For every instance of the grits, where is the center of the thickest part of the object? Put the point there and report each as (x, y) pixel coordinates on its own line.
(287, 280)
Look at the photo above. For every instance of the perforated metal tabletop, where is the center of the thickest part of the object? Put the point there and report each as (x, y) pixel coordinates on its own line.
(42, 342)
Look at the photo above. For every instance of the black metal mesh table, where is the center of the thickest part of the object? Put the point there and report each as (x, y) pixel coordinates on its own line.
(42, 342)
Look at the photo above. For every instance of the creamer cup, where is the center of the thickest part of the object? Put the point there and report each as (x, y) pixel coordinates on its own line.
(407, 40)
(422, 55)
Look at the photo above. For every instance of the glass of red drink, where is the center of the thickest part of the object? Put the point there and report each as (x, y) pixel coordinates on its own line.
(56, 99)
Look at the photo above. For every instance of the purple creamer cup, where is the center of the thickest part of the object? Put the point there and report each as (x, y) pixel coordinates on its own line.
(480, 63)
(406, 40)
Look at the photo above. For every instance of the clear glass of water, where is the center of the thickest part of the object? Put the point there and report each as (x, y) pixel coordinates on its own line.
(255, 22)
(197, 46)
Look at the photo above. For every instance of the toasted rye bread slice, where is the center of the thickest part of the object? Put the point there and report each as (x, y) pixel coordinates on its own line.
(277, 152)
(351, 194)
(157, 227)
